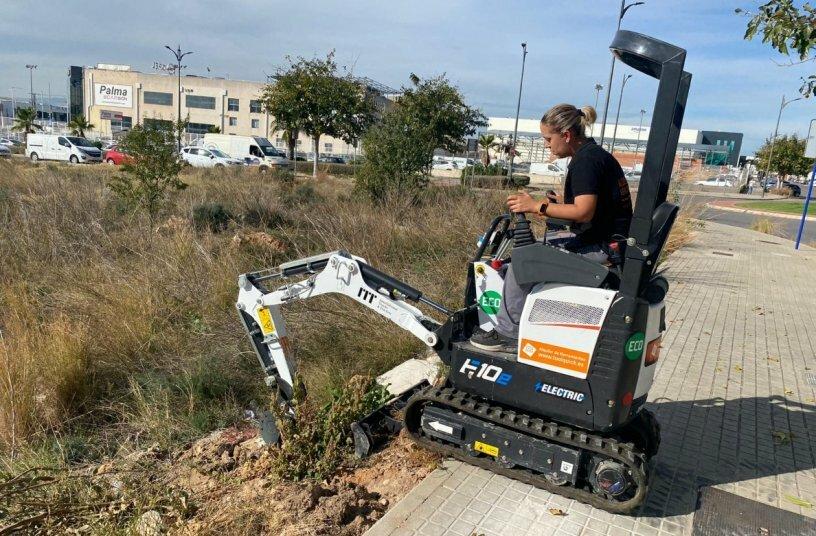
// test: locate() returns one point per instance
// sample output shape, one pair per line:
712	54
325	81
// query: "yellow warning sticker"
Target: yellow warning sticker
487	449
265	317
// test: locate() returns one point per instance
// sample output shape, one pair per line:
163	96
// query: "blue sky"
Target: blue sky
737	86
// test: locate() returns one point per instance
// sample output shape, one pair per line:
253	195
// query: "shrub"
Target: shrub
783	191
152	174
337	169
212	216
317	439
481	169
495	181
302	194
282	174
399	152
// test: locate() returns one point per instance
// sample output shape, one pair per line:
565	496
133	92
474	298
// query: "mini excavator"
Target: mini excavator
566	411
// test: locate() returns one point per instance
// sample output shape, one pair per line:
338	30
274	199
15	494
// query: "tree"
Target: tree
79	125
399	150
442	107
788	29
212	129
486	142
151	172
311	97
788	156
25	121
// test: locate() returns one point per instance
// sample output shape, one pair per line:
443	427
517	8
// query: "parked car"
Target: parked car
446	166
65	148
548	169
8	142
5	152
330	159
202	157
632	176
719	181
114	156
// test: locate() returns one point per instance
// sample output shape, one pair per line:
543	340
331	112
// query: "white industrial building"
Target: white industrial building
714	147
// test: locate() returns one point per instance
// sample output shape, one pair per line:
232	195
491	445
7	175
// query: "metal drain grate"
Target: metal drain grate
769	242
722	513
723	253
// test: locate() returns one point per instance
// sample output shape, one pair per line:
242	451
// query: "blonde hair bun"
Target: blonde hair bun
564	117
590	115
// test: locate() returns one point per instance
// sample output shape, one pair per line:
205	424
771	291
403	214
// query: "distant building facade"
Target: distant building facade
114	98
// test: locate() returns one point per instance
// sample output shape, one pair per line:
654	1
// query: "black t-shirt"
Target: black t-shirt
595	171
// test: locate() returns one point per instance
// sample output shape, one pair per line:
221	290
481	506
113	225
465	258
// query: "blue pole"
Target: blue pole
805	210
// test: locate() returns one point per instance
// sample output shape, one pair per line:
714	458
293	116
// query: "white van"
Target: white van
66	148
247	147
555	169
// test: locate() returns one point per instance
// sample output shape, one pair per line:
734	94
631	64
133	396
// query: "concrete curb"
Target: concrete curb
759	212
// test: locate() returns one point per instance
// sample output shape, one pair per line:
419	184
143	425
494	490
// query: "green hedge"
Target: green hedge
495	181
331	169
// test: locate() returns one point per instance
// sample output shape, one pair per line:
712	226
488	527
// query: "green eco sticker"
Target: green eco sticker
490	302
634	346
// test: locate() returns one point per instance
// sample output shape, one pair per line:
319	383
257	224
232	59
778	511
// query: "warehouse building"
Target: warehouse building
707	146
114	98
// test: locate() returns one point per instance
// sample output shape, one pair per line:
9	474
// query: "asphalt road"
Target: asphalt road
783	227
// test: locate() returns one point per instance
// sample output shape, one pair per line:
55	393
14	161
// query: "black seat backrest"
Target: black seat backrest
662	222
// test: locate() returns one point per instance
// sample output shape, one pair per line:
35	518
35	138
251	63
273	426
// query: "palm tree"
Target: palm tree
25	121
486	141
79	125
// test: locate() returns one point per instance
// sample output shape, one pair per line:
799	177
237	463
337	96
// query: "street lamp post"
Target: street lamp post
637	147
626	77
518	109
773	141
598	88
623	9
179	55
31	68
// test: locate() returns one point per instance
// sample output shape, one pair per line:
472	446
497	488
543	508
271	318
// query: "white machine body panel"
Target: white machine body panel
560	326
489	286
647	371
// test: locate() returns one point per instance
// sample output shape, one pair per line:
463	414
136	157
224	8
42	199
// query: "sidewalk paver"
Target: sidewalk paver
735	394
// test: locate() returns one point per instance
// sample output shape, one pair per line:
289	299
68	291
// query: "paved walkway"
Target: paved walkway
735	394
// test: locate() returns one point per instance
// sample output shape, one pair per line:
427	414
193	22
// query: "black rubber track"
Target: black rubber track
627	453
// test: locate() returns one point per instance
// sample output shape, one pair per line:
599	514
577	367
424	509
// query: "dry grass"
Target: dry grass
129	332
763	225
107	324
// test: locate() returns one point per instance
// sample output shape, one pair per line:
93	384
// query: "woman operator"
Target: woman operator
596	198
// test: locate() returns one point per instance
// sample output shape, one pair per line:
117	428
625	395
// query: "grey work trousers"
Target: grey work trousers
514	295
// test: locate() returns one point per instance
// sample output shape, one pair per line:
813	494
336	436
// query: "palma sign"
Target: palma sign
113	95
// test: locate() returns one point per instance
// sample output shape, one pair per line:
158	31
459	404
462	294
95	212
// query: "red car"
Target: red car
114	156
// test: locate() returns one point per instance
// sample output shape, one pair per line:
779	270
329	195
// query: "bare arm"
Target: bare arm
581	211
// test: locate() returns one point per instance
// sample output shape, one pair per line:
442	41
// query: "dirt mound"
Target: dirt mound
287	509
227	479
